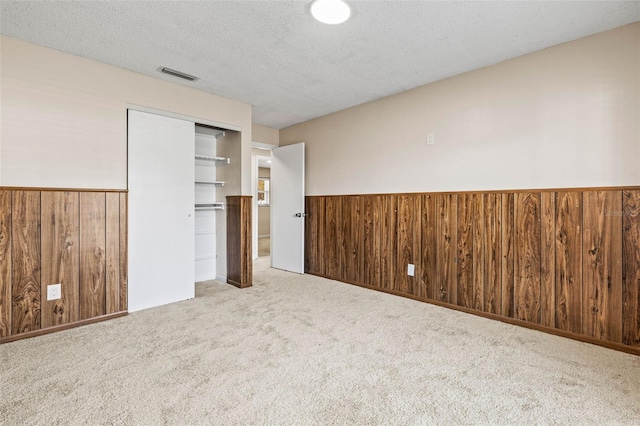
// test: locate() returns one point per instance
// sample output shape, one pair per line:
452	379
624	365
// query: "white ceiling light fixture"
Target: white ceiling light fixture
330	11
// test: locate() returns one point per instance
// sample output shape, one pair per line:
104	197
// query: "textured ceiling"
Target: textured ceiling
275	56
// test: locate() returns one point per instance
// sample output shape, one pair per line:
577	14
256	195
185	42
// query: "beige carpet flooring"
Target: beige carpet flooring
305	350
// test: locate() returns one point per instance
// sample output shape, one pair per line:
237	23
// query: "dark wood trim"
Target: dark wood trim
490	191
29	188
522	323
57	328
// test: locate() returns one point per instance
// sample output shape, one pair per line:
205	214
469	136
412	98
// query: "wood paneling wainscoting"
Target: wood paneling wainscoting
239	260
562	261
76	238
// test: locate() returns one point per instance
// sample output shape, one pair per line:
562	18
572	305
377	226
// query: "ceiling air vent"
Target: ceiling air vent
177	74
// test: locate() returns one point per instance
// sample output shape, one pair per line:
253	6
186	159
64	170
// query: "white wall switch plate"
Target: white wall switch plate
430	139
54	292
411	269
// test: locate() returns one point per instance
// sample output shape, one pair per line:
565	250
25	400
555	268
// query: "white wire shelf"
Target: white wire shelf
222	160
210	206
216	183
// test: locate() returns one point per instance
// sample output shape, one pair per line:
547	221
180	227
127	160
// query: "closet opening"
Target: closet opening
217	174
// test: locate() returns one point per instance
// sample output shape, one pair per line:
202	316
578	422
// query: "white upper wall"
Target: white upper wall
64	118
567	116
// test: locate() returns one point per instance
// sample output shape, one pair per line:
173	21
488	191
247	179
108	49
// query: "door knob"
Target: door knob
301	214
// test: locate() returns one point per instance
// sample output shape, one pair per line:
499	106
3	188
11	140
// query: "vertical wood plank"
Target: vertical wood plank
631	267
344	232
310	235
124	262
92	255
310	250
507	305
314	234
446	247
360	239
548	259
333	236
234	241
478	251
527	257
372	215
493	253
427	277
5	263
246	219
408	250
569	261
388	242
352	238
465	250
321	222
602	268
60	256
112	252
25	239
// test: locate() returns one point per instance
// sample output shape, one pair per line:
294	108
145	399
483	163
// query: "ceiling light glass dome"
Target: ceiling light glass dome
330	11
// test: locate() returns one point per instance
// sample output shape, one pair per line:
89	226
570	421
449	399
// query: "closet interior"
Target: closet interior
209	198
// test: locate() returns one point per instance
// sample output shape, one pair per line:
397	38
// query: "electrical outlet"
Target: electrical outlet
54	291
430	139
411	269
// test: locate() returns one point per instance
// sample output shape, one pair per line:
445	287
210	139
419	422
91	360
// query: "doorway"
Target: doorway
286	201
260	160
263	201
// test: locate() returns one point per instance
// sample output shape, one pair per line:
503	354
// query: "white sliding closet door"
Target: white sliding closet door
161	210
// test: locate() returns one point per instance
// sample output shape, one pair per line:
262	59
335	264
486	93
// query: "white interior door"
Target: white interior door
287	208
161	210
